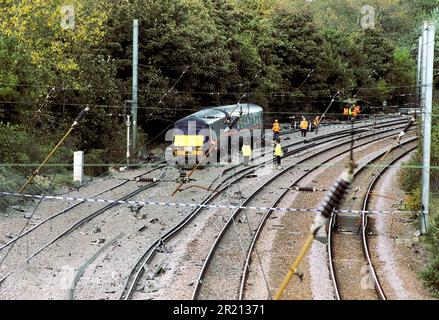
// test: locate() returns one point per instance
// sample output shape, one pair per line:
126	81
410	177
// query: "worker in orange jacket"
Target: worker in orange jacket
316	123
276	130
346	113
353	112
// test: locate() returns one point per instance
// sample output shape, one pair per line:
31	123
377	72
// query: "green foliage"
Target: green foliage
93	159
410	176
10	181
410	179
430	274
227	47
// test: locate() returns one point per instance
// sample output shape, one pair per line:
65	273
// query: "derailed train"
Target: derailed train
215	134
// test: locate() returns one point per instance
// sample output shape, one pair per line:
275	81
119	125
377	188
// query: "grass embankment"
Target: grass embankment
410	178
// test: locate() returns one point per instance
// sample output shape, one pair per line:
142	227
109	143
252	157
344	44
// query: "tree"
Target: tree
54	51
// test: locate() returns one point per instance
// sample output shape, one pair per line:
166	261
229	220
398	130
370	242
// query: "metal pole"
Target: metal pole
135	78
427	128
424	65
419	73
128	138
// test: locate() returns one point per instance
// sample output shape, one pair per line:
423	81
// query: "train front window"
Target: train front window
191	134
181	140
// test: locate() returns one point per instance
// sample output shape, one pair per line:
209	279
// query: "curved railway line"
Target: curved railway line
78	206
147	256
221	250
154	249
250	225
343	265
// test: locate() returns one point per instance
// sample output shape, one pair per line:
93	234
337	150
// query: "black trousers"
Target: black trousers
278	159
303	132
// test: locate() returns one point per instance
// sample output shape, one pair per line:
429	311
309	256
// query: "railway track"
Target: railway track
224	260
78	206
151	251
350	265
310	143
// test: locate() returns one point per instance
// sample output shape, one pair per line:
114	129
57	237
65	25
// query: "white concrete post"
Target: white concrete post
78	166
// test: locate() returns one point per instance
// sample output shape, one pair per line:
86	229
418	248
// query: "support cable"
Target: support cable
74	124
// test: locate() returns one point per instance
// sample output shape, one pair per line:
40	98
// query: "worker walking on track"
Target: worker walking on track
304	126
316	123
246	153
346	113
352	112
276	130
278	153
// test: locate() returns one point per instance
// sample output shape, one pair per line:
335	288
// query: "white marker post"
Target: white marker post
78	166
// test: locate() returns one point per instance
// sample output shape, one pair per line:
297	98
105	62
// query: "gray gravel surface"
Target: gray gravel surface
49	275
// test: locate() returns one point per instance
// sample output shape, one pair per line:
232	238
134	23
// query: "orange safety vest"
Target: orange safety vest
346	111
304	124
316	121
357	109
353	111
276	127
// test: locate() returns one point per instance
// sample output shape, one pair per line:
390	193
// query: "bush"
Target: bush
431	277
92	160
9	182
410	176
430	274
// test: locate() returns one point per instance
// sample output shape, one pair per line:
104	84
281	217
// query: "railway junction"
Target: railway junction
229	232
226	150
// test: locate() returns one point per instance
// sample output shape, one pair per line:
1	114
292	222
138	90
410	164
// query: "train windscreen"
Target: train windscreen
191	134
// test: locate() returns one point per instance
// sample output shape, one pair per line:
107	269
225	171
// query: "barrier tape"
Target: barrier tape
194	205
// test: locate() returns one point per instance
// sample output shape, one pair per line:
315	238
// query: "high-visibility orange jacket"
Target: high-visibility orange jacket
357	109
303	124
276	127
316	121
346	111
352	111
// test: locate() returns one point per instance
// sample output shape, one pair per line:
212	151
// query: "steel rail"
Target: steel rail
148	254
364	224
332	223
70	208
334	217
87	263
92	216
138	269
228	224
